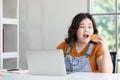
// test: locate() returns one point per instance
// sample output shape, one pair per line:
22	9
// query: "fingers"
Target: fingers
100	38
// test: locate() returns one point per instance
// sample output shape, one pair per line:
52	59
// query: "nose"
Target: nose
86	29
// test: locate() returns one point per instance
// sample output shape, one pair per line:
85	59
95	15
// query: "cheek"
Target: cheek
91	31
79	32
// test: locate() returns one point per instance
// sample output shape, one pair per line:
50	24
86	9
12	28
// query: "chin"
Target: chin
86	41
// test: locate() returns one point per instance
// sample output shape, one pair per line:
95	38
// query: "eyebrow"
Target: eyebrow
84	24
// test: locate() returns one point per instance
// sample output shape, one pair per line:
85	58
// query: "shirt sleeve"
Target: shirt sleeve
63	45
99	51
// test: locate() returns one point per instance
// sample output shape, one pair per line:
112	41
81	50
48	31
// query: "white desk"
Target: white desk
74	76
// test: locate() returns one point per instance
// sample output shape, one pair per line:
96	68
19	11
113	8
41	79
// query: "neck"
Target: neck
81	43
80	46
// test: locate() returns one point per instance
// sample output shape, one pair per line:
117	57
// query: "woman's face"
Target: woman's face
85	30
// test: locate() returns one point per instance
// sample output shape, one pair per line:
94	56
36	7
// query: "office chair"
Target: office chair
113	56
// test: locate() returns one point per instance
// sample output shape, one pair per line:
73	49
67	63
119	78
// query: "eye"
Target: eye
89	26
81	26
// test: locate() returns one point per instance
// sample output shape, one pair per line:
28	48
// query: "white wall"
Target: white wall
44	23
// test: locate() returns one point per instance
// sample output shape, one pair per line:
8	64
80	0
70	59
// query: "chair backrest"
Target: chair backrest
113	56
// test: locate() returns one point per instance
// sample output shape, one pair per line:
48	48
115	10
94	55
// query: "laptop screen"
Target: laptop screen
47	62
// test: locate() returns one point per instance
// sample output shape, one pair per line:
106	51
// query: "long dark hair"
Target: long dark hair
72	36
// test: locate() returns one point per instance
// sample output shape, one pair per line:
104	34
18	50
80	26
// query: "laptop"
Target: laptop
47	62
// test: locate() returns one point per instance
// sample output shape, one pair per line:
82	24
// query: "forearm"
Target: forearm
106	62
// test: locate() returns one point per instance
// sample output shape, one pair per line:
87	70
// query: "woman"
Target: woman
83	54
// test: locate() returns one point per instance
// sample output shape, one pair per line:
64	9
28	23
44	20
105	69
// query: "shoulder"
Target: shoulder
97	50
97	46
62	45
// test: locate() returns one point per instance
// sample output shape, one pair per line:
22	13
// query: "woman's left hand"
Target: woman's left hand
102	41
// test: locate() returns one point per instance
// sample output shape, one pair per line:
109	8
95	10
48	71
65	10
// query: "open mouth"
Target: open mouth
85	36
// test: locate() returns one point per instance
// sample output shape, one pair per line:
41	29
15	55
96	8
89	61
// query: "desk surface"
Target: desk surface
73	76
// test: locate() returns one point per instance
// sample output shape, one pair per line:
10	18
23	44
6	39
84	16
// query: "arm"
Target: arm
104	62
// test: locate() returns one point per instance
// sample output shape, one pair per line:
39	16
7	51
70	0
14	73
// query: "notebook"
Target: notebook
49	62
